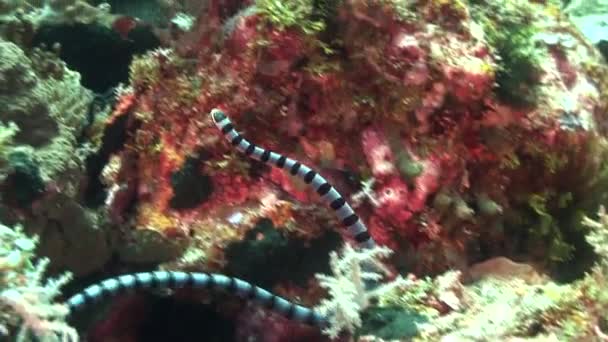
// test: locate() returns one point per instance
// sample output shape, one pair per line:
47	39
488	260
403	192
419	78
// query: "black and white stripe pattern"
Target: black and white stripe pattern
210	281
328	193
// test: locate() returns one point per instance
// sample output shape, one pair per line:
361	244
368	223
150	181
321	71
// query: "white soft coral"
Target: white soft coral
348	294
24	293
598	234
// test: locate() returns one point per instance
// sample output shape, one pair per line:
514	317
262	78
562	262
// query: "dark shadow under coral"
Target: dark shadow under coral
266	257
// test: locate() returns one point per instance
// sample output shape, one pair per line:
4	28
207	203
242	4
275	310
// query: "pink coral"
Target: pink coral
393	202
378	153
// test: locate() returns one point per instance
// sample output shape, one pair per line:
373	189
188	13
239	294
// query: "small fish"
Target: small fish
125	24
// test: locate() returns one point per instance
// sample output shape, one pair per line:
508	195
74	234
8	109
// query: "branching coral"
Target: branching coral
24	292
348	293
598	235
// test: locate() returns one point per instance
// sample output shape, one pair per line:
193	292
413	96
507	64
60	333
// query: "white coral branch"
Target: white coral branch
348	295
598	235
44	319
25	293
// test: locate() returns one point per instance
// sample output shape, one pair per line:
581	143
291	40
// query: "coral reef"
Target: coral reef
463	307
451	306
42	168
454	163
464	131
20	19
469	136
49	107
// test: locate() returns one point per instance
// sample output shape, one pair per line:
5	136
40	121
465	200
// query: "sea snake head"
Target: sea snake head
217	115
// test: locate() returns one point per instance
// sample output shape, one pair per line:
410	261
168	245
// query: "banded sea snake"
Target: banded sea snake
171	280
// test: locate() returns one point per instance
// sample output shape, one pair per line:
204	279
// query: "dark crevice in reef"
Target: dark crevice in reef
23	184
97	105
99	54
114	138
274	258
583	256
191	187
153	317
230	8
603	47
174	319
